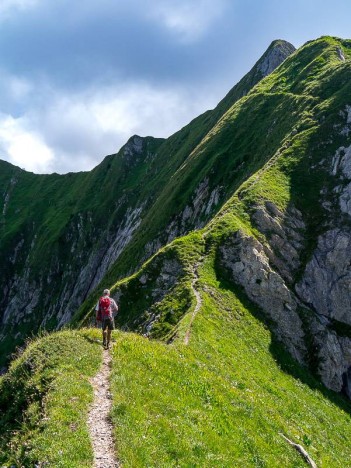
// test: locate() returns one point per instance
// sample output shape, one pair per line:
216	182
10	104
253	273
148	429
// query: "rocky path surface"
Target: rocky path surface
198	303
100	426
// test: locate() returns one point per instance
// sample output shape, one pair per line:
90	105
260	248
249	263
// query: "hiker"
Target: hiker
105	308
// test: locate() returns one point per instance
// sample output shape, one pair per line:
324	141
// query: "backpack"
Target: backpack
104	308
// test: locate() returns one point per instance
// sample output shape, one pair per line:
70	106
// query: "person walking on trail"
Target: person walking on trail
105	309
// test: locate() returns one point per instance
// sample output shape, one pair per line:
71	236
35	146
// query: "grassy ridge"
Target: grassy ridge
225	399
44	400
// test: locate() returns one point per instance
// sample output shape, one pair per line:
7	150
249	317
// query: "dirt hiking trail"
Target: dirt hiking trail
198	301
100	426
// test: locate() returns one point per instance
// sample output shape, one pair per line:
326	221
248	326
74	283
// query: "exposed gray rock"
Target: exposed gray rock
24	302
7	195
6	202
134	146
334	357
284	232
151	248
345	200
193	216
341	167
341	162
348	114
276	54
326	283
340	54
166	279
202	203
244	257
213	200
143	279
122	237
344	129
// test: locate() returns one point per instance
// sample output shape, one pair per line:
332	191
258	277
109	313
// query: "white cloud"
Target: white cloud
73	132
188	19
23	147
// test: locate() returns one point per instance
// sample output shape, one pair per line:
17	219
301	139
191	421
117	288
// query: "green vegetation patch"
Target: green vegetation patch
154	299
44	401
225	399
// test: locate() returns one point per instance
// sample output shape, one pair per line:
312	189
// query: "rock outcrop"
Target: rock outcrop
276	54
285	235
267	272
326	283
245	258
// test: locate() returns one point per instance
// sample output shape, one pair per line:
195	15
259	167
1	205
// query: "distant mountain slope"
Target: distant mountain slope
61	234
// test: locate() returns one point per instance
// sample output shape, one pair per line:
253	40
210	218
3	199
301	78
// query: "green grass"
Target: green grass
225	399
44	400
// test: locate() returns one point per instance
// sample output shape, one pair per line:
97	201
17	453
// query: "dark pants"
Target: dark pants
107	325
108	322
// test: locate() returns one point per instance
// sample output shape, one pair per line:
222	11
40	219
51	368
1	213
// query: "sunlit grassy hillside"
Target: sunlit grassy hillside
225	399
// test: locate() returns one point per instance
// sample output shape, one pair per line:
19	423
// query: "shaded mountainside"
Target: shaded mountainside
130	204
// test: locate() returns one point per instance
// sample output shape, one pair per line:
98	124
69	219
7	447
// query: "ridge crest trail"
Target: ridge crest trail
198	300
100	426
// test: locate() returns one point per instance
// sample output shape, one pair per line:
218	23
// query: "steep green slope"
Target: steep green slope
93	217
226	398
254	130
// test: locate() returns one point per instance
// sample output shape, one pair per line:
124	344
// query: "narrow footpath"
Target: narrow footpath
198	302
100	426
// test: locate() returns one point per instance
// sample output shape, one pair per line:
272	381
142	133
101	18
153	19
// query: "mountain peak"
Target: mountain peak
276	53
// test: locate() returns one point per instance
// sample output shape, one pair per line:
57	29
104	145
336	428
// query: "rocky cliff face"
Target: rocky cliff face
302	314
275	55
249	266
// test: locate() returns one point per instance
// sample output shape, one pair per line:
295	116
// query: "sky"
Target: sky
78	78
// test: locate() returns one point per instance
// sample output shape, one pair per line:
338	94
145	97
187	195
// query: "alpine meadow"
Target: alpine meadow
228	252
